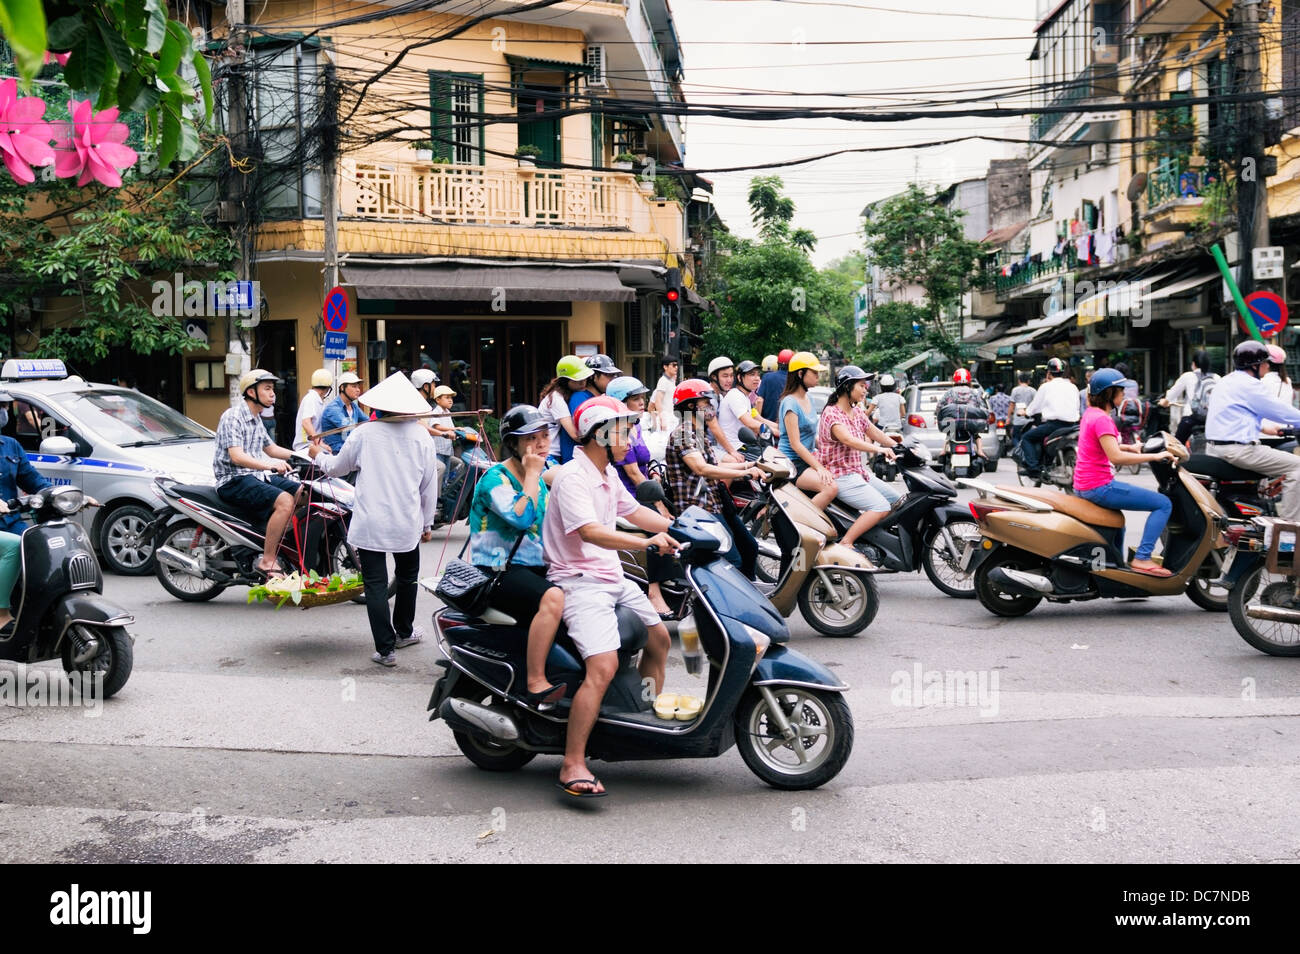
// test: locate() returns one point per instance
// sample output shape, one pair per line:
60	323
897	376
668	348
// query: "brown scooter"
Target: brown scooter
1043	544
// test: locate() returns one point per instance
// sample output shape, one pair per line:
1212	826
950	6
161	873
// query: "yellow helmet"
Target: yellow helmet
770	363
804	360
321	378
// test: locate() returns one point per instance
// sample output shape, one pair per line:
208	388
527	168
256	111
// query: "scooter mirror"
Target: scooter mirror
649	492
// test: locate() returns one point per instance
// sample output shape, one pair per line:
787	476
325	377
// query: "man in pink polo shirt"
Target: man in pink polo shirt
581	548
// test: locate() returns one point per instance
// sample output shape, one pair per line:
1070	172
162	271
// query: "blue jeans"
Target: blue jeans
1031	443
1120	496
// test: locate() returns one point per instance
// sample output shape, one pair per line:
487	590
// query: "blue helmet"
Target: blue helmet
1106	378
620	389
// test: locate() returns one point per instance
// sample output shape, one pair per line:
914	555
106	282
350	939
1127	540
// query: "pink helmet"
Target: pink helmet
1276	355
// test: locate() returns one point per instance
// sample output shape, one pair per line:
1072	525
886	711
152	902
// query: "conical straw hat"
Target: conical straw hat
395	395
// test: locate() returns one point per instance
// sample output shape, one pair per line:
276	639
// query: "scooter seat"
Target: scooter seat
1075	507
1206	465
201	493
632	635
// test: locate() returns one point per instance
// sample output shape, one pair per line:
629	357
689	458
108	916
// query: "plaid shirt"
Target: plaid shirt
684	482
841	459
239	428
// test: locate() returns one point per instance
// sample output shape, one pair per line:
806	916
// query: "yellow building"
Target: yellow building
457	255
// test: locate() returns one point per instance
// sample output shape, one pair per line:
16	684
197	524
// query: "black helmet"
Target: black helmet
1249	354
847	376
745	367
520	421
602	363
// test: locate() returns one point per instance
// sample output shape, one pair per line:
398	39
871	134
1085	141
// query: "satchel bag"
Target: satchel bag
465	587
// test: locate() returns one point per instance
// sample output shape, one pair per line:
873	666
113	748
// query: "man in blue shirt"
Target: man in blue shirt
772	384
341	411
1238	406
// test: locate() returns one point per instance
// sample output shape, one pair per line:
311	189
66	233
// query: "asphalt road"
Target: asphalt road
1107	731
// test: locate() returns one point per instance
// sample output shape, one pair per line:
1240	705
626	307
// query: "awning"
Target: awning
912	362
1006	345
522	63
485	283
994	329
1177	288
1095	308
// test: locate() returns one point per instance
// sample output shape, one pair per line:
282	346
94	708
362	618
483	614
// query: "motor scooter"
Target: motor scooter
785	713
467	464
1042	544
1262	578
58	603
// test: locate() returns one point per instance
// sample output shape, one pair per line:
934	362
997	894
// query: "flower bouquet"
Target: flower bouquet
307	591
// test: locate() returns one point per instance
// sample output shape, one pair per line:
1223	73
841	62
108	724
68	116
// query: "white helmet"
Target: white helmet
347	377
422	376
717	364
887	381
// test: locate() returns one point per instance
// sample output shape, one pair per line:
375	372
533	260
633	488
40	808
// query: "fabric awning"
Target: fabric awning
913	361
553	66
485	283
1177	288
1094	308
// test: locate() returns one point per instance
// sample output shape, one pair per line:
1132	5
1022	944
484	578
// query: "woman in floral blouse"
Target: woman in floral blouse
841	439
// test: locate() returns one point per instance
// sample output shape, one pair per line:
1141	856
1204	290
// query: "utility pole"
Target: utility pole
238	358
1254	168
329	184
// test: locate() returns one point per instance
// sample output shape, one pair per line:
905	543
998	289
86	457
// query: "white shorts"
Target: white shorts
589	612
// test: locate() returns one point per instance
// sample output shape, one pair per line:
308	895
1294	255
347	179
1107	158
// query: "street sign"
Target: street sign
336	345
1269	312
335	310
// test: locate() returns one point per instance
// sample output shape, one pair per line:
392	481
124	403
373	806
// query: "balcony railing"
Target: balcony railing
1172	178
475	195
1094	81
1031	272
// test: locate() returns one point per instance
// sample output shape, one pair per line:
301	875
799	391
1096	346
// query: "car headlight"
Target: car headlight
67	500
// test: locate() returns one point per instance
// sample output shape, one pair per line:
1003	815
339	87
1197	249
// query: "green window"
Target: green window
457	119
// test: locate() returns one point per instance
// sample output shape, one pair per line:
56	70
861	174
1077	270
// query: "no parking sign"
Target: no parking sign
335	310
1269	311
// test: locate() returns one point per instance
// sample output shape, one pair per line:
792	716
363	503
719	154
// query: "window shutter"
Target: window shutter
440	121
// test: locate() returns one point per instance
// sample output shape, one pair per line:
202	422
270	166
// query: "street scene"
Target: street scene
411	451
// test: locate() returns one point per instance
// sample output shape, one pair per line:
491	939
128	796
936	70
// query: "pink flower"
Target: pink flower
60	58
24	136
92	146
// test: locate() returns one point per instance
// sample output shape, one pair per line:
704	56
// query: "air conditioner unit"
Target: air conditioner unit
1099	152
596	60
640	332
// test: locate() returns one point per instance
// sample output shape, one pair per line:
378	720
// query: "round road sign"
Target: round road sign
335	310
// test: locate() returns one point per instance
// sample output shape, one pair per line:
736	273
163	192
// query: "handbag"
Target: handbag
466	587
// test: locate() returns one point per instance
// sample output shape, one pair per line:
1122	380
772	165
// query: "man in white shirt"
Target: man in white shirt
1058	403
313	402
661	401
1238	406
1180	398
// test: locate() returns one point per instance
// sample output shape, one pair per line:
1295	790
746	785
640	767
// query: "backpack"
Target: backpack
1204	387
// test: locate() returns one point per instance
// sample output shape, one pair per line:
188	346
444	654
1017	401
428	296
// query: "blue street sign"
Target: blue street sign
336	344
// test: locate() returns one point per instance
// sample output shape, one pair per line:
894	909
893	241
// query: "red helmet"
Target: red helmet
595	411
784	356
961	376
689	390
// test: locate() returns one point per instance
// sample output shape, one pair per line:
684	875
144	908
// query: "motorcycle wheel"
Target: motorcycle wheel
825	727
767	569
859	603
489	756
1001	602
344	560
115	660
180	584
943	569
1213	599
1274	638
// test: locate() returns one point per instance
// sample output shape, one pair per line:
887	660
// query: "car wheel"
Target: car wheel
124	544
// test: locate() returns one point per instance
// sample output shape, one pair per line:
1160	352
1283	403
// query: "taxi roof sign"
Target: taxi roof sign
19	369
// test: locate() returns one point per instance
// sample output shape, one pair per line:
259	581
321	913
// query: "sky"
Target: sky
781	45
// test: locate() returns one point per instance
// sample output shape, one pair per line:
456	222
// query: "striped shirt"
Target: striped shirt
240	428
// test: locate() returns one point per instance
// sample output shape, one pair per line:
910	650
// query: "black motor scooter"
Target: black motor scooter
58	606
785	713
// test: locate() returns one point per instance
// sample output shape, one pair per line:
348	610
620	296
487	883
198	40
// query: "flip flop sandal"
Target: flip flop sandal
1158	572
568	789
545	700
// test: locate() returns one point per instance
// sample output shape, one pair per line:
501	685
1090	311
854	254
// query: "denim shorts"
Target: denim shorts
256	497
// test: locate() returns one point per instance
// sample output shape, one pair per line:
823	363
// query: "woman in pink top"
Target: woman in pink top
1094	475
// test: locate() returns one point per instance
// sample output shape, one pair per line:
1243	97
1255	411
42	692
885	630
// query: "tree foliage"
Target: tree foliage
918	241
104	246
895	332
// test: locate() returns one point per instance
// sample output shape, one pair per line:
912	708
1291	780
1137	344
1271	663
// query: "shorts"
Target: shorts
256	497
519	591
589	612
856	492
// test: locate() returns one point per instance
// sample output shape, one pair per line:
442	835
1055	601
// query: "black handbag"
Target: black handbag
466	587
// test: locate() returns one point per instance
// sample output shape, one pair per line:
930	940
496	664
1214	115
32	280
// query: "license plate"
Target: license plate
1002	432
961	460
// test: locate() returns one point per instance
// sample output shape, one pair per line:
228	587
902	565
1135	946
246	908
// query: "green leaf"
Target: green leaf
65	33
297	597
23	24
205	83
156	31
133	23
189	147
171	129
173	47
117	46
136	94
108	91
95	62
313	576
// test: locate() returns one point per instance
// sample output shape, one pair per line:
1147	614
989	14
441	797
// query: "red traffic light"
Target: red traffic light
672	294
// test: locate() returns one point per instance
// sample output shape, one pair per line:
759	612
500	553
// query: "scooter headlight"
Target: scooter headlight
717	531
67	500
761	641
